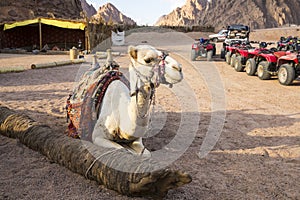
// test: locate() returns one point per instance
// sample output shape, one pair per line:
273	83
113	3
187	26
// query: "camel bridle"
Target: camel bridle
159	70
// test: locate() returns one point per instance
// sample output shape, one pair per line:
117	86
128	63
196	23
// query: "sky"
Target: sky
144	12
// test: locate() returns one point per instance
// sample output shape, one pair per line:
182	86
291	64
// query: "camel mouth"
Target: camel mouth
171	80
173	77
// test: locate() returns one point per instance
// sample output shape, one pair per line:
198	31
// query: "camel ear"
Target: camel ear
132	51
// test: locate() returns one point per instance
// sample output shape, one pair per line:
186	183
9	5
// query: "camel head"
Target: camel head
155	65
170	71
143	59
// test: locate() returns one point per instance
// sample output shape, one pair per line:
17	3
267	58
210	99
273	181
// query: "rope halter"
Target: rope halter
158	70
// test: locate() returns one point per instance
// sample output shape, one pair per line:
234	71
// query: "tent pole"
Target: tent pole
86	34
40	33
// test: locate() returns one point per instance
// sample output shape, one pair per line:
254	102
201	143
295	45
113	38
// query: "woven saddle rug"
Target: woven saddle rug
84	104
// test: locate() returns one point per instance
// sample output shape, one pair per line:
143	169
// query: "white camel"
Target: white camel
124	115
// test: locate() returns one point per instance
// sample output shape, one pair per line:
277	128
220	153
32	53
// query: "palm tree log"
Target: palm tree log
79	157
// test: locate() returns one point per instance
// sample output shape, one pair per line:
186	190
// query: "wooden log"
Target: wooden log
78	61
64	62
43	65
57	63
12	69
83	157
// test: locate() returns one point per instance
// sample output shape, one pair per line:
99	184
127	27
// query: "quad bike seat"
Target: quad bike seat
252	50
278	54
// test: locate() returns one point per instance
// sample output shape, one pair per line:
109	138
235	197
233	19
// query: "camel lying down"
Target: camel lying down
110	111
113	113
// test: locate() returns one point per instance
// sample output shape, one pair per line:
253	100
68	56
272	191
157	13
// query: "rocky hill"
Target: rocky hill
109	13
11	10
220	13
88	8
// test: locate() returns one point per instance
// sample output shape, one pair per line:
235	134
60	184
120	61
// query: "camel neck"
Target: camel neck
140	95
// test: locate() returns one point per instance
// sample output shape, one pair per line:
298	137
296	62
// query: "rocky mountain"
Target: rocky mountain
12	10
220	13
109	13
88	8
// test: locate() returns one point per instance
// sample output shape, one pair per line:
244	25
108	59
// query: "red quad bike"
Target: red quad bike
289	66
246	52
231	52
285	64
203	48
263	61
242	53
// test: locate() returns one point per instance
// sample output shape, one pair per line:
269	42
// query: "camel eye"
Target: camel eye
149	60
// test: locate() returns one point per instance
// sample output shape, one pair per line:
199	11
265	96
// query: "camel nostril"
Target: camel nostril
178	68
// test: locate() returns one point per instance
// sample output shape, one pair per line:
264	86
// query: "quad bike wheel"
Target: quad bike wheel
232	60
286	74
228	58
222	53
250	67
262	70
209	55
238	64
193	55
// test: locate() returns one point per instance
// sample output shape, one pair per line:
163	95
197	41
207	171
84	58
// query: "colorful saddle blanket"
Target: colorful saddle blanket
84	105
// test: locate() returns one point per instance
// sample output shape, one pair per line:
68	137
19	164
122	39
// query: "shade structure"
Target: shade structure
53	22
41	31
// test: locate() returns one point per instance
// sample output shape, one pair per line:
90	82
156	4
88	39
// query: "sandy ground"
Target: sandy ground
255	126
25	60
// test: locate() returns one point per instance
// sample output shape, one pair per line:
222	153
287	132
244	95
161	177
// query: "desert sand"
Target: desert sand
255	126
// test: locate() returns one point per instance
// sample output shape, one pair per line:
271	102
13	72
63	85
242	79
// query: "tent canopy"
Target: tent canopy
52	22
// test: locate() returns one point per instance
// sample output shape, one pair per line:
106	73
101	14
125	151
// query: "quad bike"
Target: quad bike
287	43
289	66
270	62
203	48
267	63
246	52
242	53
264	63
230	51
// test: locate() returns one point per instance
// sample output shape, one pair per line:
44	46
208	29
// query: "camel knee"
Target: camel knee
106	143
139	148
